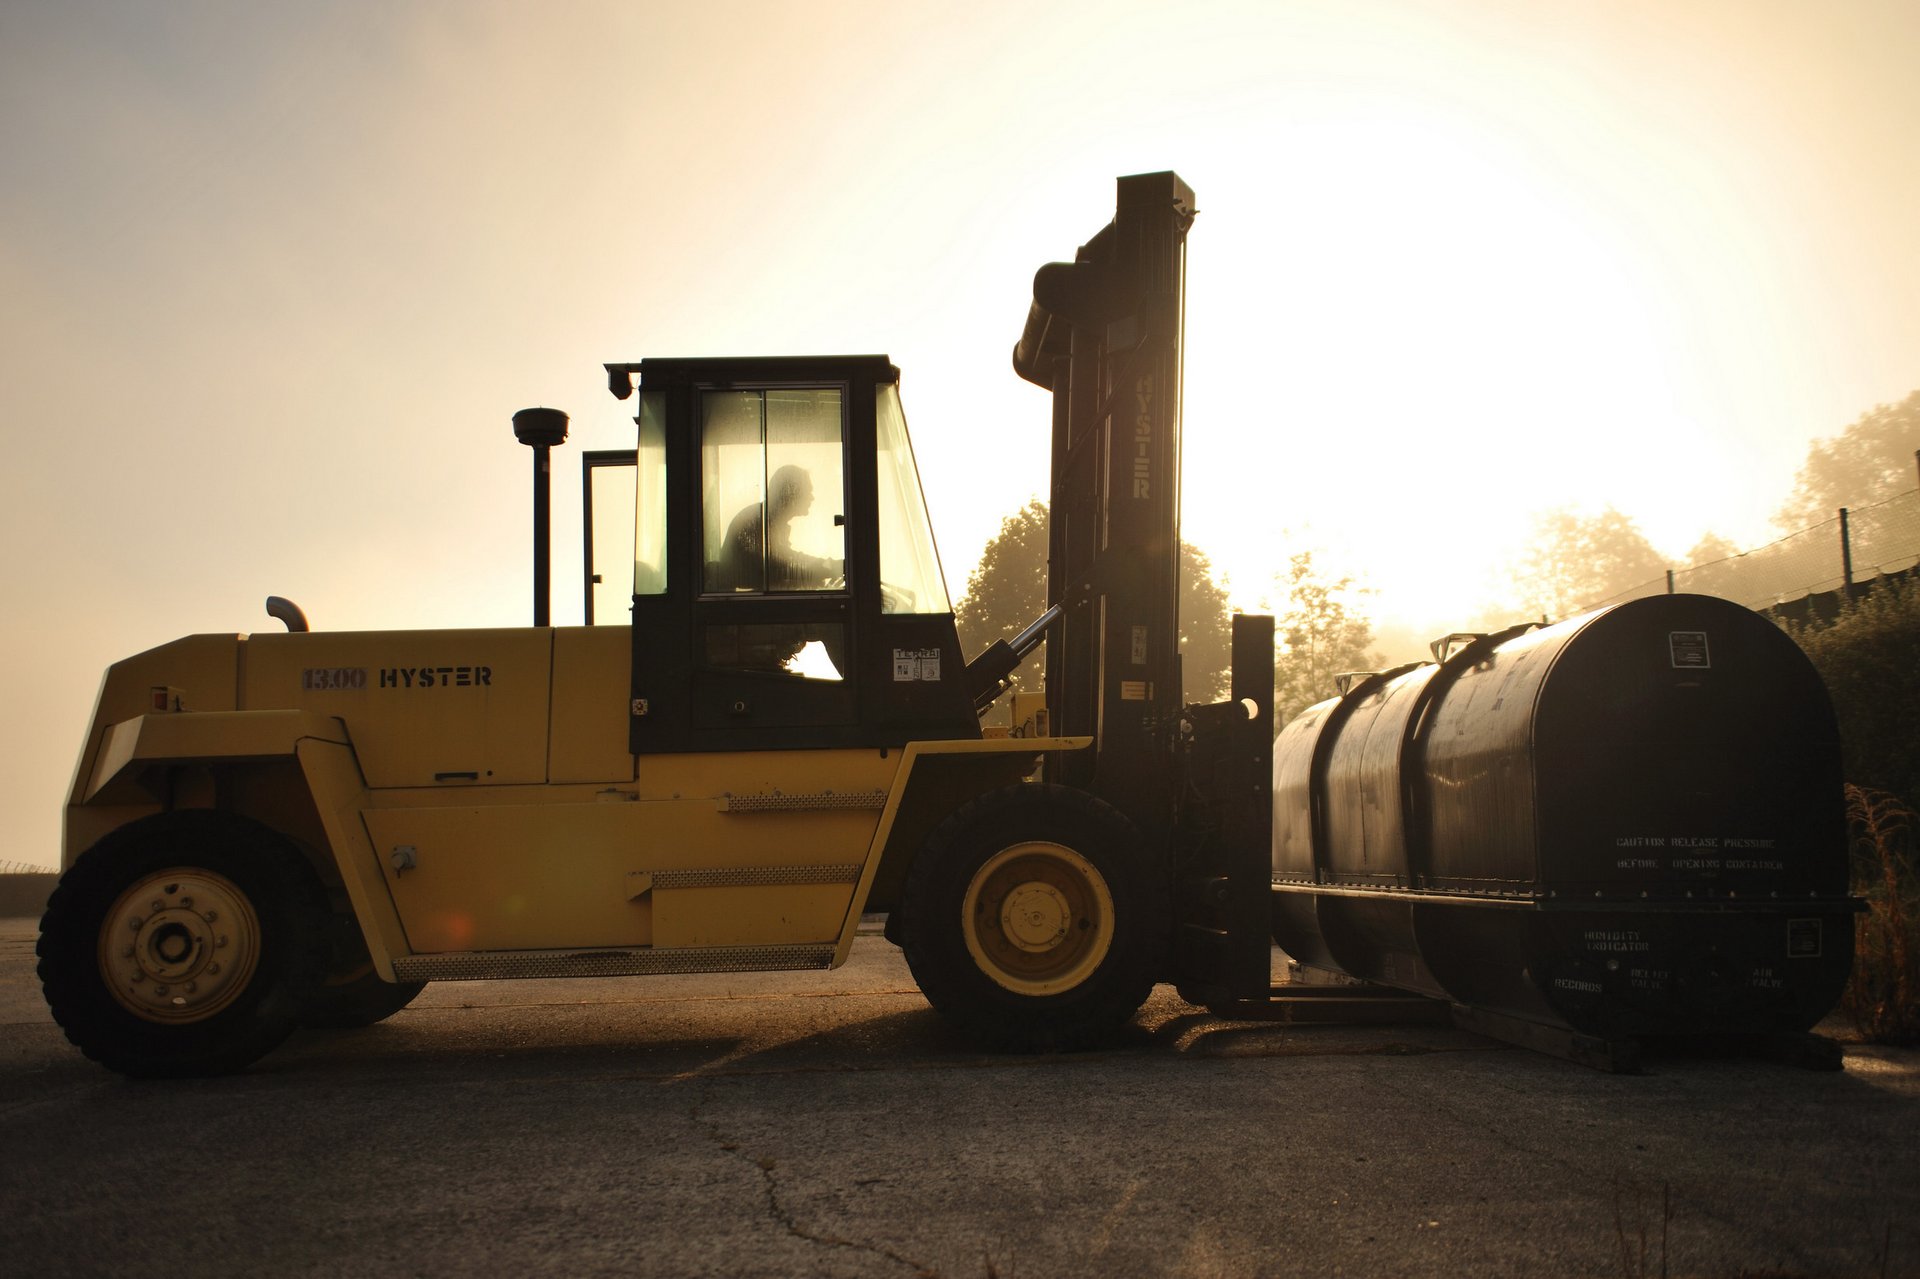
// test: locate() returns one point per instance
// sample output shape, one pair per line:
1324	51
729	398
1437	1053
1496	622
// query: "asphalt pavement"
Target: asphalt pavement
829	1124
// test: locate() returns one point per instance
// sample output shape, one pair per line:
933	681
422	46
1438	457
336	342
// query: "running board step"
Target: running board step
509	965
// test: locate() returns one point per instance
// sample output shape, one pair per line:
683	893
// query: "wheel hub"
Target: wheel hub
1038	918
179	945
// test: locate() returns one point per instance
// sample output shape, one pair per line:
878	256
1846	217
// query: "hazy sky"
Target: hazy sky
273	278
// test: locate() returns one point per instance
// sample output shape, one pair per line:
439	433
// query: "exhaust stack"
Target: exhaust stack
540	430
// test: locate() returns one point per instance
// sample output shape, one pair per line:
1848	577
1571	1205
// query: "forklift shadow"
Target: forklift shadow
422	1055
787	1036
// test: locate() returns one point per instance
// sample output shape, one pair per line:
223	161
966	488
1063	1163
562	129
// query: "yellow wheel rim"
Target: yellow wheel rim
179	945
1037	918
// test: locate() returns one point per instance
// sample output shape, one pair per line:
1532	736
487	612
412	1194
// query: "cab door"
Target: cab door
786	591
772	612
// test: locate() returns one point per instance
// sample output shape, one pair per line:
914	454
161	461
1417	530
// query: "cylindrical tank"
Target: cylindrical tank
1627	823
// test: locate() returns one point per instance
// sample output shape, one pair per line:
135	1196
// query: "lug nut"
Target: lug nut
187	902
220	941
157	905
211	916
212	969
134	924
192	986
160	990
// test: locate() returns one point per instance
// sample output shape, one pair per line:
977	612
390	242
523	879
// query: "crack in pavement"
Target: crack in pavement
766	1165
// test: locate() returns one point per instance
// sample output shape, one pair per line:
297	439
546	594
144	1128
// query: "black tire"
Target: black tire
1034	920
352	994
183	944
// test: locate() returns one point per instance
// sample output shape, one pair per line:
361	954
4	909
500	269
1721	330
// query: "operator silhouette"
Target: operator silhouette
782	568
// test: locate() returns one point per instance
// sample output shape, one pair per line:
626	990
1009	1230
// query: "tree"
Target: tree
1870	460
1206	629
1319	636
1008	589
1869	658
1575	561
1711	547
1717	567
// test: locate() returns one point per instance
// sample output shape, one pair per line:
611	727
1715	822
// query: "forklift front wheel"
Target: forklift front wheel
1032	922
1038	918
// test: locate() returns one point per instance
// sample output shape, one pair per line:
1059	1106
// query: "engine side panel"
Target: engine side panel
423	708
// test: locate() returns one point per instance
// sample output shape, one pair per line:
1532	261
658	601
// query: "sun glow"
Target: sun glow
1445	339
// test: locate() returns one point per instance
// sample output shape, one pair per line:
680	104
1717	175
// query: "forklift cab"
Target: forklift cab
786	590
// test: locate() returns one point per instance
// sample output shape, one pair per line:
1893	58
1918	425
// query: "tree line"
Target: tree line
1575	560
1571	561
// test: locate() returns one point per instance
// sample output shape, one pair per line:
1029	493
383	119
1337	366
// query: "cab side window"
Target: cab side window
772	466
772	491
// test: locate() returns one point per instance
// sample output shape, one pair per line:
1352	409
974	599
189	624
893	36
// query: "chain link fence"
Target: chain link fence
1855	546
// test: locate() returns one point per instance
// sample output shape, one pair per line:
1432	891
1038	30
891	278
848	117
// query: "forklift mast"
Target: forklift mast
1105	335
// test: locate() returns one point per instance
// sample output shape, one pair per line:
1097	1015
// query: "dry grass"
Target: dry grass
1883	994
1631	1209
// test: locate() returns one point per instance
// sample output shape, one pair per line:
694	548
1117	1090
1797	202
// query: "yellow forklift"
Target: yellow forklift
305	827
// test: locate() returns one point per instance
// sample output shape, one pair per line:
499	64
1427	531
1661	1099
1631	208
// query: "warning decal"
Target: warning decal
913	664
1689	649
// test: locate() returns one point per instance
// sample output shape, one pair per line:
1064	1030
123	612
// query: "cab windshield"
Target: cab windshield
910	580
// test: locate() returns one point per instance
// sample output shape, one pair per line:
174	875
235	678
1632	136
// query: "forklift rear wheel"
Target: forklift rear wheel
1031	923
351	994
182	944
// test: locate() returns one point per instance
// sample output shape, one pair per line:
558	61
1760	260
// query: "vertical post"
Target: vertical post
1669	581
586	539
540	430
542	536
1846	554
1250	813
